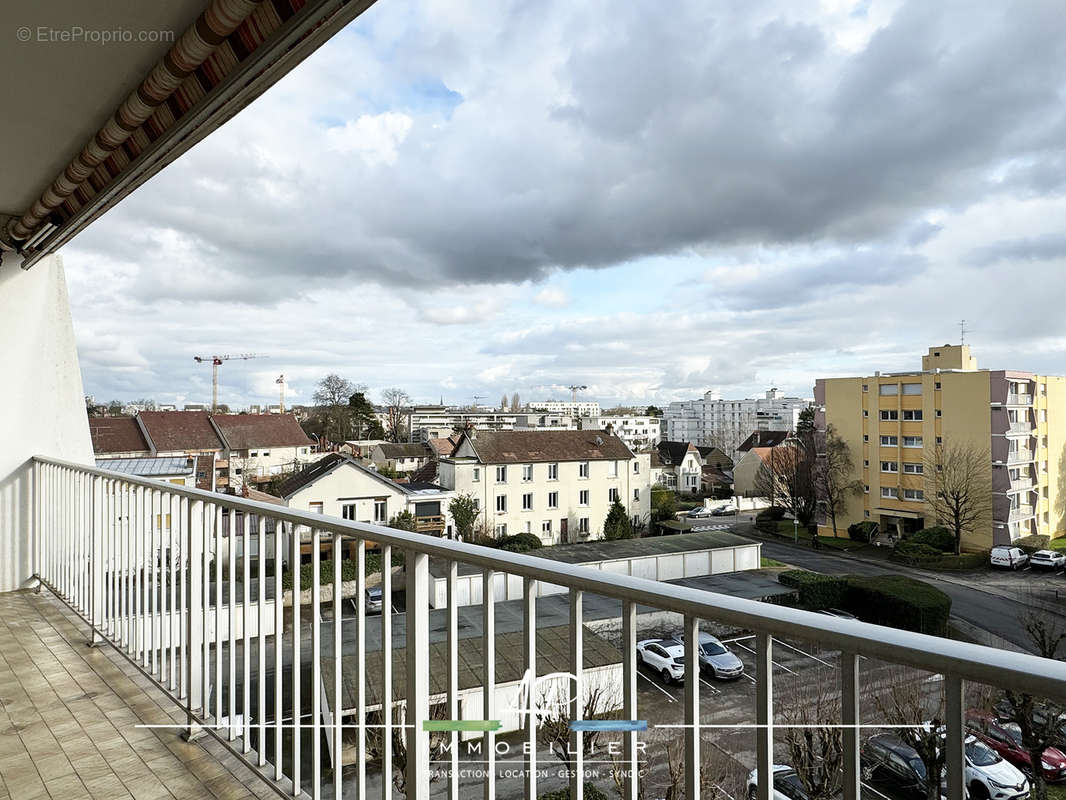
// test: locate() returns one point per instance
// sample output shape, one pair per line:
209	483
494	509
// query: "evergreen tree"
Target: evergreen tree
617	525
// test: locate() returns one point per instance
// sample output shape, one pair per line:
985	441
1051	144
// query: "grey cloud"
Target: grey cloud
1035	248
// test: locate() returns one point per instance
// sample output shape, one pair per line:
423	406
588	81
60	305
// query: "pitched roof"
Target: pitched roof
518	447
116	435
180	430
311	473
427	473
763	439
404	450
672	453
713	456
243	431
443	447
148	467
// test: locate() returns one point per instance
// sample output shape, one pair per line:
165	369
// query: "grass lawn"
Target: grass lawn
1058	544
1056	791
770	563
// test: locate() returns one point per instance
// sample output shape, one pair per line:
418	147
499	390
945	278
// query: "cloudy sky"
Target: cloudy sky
460	198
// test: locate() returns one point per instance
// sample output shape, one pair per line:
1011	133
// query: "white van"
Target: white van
1010	557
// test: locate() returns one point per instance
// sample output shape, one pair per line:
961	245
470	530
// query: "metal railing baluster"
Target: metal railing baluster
296	707
488	666
216	513
629	697
386	672
453	677
954	747
231	602
529	665
764	715
338	670
850	717
360	670
192	651
577	691
416	585
692	708
316	666
279	644
246	625
261	607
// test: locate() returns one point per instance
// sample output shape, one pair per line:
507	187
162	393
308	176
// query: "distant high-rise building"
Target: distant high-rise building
713	422
569	408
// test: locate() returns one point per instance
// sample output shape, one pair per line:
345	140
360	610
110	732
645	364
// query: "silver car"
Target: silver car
716	658
1048	559
373	601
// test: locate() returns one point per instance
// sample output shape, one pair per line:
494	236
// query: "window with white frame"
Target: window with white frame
912	415
890	466
636	467
913	494
529	527
583	497
888	389
887	415
501	502
348	511
612	469
546	527
553	472
912	388
583	525
912	441
583	469
612	494
553	499
381	510
501	529
527	501
475	474
527	472
913	469
889	441
636	494
501	474
477	503
890	491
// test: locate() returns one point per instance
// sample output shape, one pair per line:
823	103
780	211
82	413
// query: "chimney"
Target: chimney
610	429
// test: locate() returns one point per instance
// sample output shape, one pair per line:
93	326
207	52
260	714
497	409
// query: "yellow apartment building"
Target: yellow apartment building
893	421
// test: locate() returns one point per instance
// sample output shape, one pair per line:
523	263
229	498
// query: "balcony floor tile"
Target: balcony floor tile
68	717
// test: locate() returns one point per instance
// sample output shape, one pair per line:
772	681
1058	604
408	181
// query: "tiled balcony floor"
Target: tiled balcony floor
68	717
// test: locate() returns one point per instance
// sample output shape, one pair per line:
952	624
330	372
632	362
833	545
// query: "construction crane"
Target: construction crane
216	362
281	386
574	389
476	398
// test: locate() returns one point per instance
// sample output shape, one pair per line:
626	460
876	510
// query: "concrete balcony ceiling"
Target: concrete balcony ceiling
102	95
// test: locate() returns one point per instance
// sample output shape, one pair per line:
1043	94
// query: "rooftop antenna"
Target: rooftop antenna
962	331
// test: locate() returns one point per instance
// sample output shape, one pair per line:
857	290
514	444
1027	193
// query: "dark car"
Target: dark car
1006	739
893	767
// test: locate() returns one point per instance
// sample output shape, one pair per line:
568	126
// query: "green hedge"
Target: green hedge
1032	543
937	537
894	600
861	531
348	573
519	543
899	601
916	554
767	519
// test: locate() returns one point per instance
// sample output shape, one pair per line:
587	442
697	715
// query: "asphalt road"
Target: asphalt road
990	612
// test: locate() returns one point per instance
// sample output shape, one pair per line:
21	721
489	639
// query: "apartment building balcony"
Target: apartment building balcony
1023	428
430	524
200	643
1018	513
1020	485
1019	399
1019	456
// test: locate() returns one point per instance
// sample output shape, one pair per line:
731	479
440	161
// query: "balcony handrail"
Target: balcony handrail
931	653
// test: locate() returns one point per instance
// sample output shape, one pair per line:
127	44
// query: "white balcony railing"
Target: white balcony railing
143	563
1019	456
1016	399
1019	513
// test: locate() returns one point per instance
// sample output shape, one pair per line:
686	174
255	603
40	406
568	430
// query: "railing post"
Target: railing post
191	649
417	586
954	751
692	708
38	563
850	715
96	562
629	697
577	705
529	663
764	715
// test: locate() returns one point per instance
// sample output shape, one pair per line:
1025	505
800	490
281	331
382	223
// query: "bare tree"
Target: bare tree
333	417
515	405
333	390
909	702
438	742
959	477
834	474
396	400
815	752
553	722
721	776
788	477
503	402
1037	718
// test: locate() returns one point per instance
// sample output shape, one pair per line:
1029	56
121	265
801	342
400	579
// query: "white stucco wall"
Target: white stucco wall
42	409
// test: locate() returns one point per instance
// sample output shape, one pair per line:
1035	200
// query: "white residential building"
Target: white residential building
541	420
558	485
638	432
580	408
714	422
339	486
440	422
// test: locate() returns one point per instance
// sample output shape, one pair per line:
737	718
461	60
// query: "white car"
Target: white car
700	513
665	656
997	778
1009	557
1048	559
787	784
373	601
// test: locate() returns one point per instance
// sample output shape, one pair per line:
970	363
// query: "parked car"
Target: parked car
991	777
894	767
1048	559
700	512
373	600
787	784
665	656
1009	557
723	511
1006	739
716	658
1004	710
838	613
